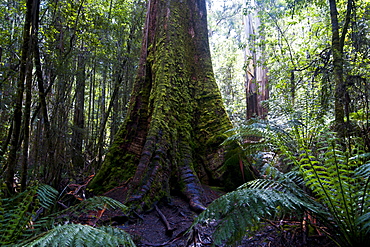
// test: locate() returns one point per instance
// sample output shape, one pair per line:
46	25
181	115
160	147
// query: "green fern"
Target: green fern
47	196
342	185
363	174
20	220
259	135
339	184
15	216
74	212
97	203
261	132
245	207
80	235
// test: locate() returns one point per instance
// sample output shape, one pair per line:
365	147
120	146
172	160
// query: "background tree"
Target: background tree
24	81
256	72
225	22
233	28
67	92
297	39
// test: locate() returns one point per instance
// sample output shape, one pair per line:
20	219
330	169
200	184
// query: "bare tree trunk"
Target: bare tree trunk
26	63
79	118
256	75
338	63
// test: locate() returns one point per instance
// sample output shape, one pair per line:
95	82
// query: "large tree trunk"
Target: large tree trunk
176	121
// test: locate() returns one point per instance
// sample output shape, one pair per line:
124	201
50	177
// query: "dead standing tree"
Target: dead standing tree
176	121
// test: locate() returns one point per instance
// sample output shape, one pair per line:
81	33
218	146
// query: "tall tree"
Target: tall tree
176	122
256	74
338	62
78	117
25	72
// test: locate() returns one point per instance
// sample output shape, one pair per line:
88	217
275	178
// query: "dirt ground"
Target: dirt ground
167	224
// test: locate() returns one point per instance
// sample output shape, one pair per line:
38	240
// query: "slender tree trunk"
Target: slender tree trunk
171	137
26	129
43	143
42	93
338	63
79	118
103	118
27	107
26	60
103	124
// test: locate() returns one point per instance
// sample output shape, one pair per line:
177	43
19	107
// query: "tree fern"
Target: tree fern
95	203
80	235
261	132
255	137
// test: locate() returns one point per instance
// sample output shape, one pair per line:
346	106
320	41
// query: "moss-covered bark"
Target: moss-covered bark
176	121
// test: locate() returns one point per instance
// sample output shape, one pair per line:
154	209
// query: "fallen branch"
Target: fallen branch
169	229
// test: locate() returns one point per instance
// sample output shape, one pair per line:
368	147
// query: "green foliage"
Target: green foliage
245	207
258	136
225	37
74	212
22	224
81	235
47	196
15	216
341	183
96	203
330	184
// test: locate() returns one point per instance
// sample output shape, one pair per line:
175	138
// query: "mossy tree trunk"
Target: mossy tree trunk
176	120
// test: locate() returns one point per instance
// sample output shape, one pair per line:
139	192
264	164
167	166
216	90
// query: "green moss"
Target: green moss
115	170
216	140
179	107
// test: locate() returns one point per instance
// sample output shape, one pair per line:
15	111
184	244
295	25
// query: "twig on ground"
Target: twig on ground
169	229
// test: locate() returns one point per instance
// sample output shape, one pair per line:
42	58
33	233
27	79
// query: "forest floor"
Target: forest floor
151	229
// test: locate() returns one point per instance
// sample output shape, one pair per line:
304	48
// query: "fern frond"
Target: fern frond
97	203
47	196
363	171
260	129
84	207
243	209
341	184
364	222
16	216
81	235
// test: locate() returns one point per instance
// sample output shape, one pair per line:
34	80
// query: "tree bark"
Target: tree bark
256	86
25	66
338	63
79	116
170	139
